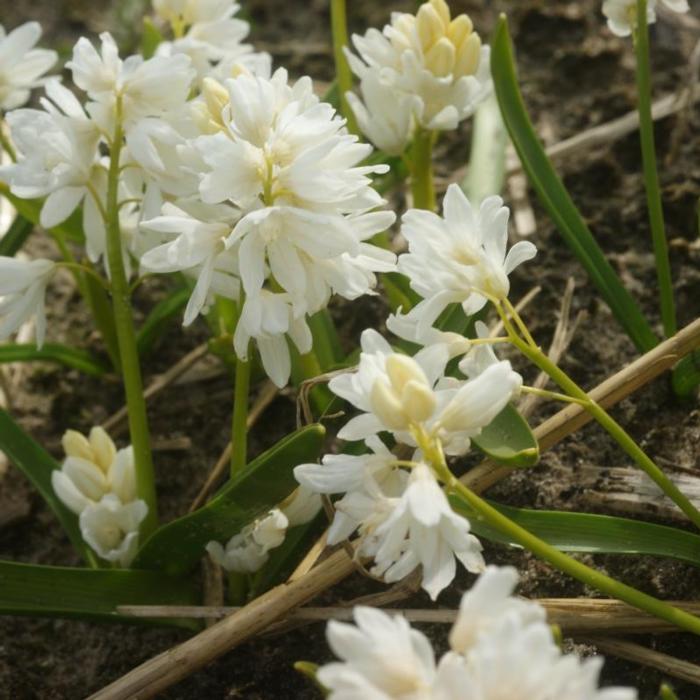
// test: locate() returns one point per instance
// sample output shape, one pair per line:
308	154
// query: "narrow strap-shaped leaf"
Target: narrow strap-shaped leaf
16	235
53	352
37	464
56	591
556	199
159	317
508	440
177	547
588	532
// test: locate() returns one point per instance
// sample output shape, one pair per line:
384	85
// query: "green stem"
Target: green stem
422	186
5	143
651	175
239	428
126	336
343	74
537	357
568	564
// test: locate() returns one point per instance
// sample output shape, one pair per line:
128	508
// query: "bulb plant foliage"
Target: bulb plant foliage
204	163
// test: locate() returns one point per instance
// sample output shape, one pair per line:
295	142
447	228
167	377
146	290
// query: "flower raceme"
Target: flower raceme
622	14
426	69
98	483
21	65
501	647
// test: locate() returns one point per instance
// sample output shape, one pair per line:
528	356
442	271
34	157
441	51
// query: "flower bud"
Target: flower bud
387	406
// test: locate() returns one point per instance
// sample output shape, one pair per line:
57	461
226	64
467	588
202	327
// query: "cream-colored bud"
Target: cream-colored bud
440	60
387	406
215	97
419	401
103	448
429	26
401	31
468	56
443	10
460	28
402	369
75	444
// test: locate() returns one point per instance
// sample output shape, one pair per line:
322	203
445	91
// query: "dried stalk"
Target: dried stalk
265	398
669	665
575	616
116	423
167	668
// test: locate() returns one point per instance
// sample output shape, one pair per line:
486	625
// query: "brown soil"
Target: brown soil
574	75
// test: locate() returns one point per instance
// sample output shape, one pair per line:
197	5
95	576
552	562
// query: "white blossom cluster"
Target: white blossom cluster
426	70
622	14
98	483
400	511
500	647
242	180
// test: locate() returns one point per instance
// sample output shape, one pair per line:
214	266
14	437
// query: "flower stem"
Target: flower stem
540	359
571	566
651	175
422	186
343	74
126	335
239	428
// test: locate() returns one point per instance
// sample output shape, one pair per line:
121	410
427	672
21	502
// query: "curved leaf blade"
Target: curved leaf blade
556	199
37	464
55	591
508	440
591	533
176	547
159	317
53	352
16	235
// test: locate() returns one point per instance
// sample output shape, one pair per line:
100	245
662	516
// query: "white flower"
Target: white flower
381	658
58	159
429	68
22	289
208	32
423	529
622	14
461	257
301	506
93	468
143	88
247	551
21	65
268	317
510	655
196	248
110	527
400	394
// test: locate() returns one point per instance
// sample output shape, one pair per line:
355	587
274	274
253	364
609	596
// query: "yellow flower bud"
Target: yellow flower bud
429	26
468	56
443	10
440	60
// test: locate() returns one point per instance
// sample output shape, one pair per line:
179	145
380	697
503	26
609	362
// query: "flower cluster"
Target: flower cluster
426	70
401	512
248	551
98	483
500	647
622	14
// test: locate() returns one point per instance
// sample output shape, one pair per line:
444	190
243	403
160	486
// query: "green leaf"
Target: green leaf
686	375
96	297
55	591
508	440
399	292
556	199
37	465
177	547
150	39
53	352
326	345
16	235
158	319
586	532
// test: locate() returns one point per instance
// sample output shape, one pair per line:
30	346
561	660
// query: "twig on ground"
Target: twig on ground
169	667
266	396
116	424
647	657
